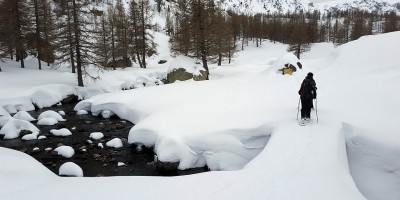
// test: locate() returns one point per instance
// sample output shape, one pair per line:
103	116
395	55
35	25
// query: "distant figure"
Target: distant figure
307	92
299	65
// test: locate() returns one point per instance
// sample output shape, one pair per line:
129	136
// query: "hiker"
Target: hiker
307	92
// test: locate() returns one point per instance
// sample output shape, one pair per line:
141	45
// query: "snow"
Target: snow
13	127
243	119
65	151
115	143
42	137
70	169
96	135
23	115
61	132
51	114
82	112
47	121
61	112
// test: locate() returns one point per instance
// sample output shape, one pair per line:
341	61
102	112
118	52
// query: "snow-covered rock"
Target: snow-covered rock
70	169
120	164
96	135
82	112
51	114
100	145
23	115
42	137
47	121
61	112
183	68
115	143
61	132
65	151
106	114
13	127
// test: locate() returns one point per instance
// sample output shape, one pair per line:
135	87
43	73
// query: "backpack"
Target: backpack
307	88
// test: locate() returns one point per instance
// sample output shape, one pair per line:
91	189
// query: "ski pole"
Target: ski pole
316	107
298	107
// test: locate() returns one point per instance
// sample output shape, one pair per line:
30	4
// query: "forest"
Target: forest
111	34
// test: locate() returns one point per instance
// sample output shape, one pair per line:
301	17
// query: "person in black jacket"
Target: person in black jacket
307	92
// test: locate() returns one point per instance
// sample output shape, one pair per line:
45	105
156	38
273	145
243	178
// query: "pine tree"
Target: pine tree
143	45
76	44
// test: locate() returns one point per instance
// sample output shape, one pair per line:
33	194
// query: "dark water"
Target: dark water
95	161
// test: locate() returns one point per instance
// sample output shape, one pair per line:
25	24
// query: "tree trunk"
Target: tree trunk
144	36
19	50
77	45
37	33
219	59
71	45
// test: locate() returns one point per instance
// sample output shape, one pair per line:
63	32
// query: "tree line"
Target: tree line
76	33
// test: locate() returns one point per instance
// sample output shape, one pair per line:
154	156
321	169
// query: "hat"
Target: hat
310	74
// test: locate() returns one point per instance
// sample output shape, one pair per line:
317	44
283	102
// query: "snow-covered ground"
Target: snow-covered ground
242	121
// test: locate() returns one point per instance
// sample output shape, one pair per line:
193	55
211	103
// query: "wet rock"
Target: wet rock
24	150
167	166
120	125
162	62
61	125
36	150
88	122
82	149
60	144
54	153
24	132
70	99
102	126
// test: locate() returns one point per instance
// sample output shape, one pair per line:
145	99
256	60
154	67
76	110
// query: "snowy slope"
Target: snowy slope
226	122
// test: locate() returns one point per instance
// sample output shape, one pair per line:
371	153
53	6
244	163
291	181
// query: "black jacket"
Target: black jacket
308	88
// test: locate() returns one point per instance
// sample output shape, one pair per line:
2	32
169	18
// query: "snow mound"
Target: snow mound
96	135
70	169
47	121
115	143
65	151
23	115
13	127
61	132
184	62
51	114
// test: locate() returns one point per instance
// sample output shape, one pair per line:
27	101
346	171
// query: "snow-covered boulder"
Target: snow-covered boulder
82	112
106	114
287	61
13	127
61	132
47	121
183	68
51	114
23	115
65	151
115	143
96	136
70	169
